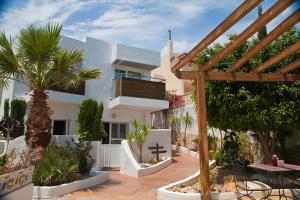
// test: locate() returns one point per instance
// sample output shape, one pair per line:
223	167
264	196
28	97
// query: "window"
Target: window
134	75
127	74
59	127
119	132
118	73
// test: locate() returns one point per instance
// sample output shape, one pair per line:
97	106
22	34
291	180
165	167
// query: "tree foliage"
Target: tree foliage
6	109
17	112
90	125
243	106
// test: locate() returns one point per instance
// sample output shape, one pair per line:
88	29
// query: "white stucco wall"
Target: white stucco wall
135	54
160	136
129	160
65	111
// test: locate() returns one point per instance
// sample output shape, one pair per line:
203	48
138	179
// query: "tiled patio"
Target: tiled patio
121	187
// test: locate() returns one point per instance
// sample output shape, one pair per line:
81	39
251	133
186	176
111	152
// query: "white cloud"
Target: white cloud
37	12
134	22
142	22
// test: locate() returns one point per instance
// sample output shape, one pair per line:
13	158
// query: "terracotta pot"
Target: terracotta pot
178	143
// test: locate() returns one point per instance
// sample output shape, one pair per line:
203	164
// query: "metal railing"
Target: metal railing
139	77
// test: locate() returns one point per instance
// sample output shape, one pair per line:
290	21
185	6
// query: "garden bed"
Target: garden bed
130	166
188	189
95	179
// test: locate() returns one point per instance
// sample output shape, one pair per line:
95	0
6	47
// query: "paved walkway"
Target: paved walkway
121	187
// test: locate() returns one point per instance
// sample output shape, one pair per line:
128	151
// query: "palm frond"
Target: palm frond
66	70
9	66
67	61
38	45
72	80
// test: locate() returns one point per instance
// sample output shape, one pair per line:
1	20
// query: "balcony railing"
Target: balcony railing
139	86
79	89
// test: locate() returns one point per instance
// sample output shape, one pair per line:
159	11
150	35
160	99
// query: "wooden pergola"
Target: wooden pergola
206	73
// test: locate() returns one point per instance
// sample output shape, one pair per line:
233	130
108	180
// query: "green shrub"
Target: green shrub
6	109
90	126
62	164
81	151
218	157
58	166
245	153
3	161
17	112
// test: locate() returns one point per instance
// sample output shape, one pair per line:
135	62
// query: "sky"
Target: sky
140	23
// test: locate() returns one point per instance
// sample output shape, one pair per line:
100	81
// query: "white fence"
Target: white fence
110	155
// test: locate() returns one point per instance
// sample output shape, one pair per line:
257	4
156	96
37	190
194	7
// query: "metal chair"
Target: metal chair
245	185
295	187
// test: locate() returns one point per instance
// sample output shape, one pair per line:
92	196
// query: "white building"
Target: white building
126	88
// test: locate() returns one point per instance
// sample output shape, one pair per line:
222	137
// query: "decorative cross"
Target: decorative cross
157	151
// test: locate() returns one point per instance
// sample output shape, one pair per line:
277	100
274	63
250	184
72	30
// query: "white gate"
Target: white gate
111	155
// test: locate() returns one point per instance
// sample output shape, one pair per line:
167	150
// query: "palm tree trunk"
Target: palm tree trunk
141	153
184	137
38	132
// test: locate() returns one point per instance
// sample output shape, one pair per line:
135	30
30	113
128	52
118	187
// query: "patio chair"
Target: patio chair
295	187
246	185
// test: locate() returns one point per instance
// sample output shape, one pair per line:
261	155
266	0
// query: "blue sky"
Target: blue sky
141	23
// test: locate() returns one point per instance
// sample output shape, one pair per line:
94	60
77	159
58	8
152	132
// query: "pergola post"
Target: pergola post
202	134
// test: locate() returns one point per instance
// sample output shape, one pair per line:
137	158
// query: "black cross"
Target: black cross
157	151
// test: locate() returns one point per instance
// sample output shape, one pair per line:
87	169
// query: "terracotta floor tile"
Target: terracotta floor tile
122	187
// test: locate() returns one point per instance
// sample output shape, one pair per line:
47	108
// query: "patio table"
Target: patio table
278	172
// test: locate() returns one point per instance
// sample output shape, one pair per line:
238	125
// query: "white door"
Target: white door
111	155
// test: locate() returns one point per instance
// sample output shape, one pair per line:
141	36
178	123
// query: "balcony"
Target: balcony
139	93
70	95
135	57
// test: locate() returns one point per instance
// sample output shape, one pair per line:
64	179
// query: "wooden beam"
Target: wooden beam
291	67
251	77
264	19
234	17
187	75
202	134
285	53
279	30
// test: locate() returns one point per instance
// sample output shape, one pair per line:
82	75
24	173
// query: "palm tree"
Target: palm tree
139	135
188	121
174	121
39	61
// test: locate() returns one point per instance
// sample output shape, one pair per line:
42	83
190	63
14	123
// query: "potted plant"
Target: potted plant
15	170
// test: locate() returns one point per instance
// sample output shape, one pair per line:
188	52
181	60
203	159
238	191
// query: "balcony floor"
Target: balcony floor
143	104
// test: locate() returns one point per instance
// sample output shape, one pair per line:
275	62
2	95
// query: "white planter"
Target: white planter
11	182
130	166
154	168
185	151
44	192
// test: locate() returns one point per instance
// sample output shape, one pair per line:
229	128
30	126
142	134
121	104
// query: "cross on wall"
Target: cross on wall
157	151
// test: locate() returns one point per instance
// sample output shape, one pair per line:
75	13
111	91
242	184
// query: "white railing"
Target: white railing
111	155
